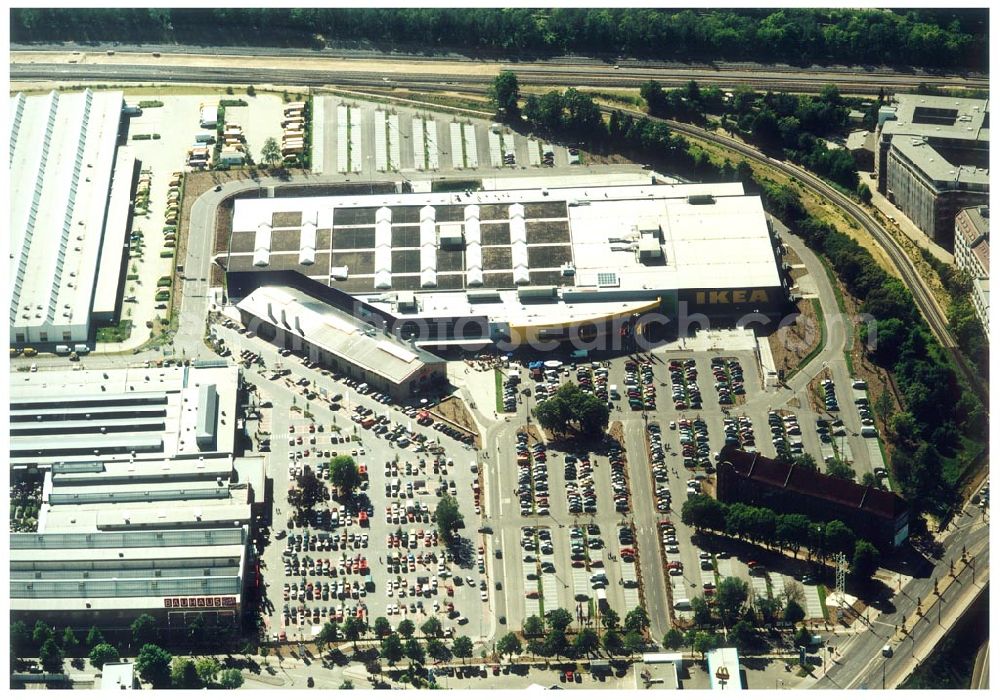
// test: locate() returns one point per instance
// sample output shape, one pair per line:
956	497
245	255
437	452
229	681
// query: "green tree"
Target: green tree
391	649
432	627
702	612
704	642
230	678
414	651
673	639
838	537
865	561
270	153
703	513
534	626
94	637
612	641
462	647
207	668
42	633
559	619
802	637
196	629
792	530
327	635
344	474
504	94
864	193
438	650
509	645
103	653
634	642
153	665
794	612
742	634
805	461
69	640
346	685
406	628
381	627
731	597
586	642
20	638
636	620
51	656
840	469
768	609
571	407
609	618
555	643
308	492
448	518
183	674
353	628
868	479
144	630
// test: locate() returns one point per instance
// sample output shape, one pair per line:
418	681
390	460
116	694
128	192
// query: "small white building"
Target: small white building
118	676
209	116
724	669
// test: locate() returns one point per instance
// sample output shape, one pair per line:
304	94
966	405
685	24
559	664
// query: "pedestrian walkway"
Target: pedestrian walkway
814	609
909	228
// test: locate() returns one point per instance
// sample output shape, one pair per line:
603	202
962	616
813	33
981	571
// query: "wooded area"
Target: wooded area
952	39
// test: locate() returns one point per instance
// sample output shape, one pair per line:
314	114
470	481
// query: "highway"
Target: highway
196	64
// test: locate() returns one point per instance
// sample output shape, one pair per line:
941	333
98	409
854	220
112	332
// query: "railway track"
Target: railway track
433	82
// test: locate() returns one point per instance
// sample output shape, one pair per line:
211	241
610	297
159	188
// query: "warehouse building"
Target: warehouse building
108	579
972	254
932	159
71	194
292	319
881	517
517	265
120	415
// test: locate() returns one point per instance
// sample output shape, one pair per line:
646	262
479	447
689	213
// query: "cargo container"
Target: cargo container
81	348
132	110
62	349
205	137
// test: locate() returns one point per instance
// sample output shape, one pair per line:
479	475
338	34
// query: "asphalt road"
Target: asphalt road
554	71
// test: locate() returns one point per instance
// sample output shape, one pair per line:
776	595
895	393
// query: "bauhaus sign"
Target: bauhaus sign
200	602
733	296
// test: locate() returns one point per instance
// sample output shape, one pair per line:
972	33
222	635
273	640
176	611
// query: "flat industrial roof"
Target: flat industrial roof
933	164
115	234
724	669
578	238
62	149
337	332
970	123
171	389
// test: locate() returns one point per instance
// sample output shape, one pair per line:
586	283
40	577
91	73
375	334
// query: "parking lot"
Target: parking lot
389	562
365	138
677	409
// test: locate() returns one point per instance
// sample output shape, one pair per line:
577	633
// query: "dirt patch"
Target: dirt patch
791	343
286	218
454	410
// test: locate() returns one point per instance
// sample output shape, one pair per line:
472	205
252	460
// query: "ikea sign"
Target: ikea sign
733	296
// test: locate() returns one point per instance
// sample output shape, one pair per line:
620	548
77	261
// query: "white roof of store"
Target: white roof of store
724	669
62	148
344	336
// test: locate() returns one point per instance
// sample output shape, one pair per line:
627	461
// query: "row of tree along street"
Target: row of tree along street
928	38
153	664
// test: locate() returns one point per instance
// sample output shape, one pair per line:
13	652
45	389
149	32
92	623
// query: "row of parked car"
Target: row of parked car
728	378
684	384
619	482
830	396
307	615
739	431
785	434
581	493
694	443
532	477
640	398
593	380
